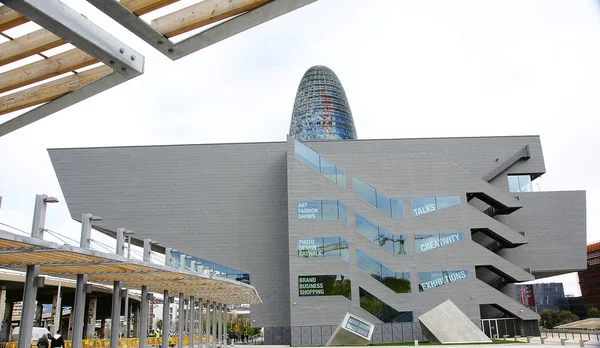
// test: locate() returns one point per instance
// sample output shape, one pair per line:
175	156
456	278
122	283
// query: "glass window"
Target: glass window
324	285
525	183
330	210
381	310
220	269
344	250
306	155
341	177
386	240
519	183
426	242
364	191
358	327
400	244
328	169
422	206
309	210
368	265
513	183
331	247
430	280
367	228
383	204
343	212
397	205
310	247
445	202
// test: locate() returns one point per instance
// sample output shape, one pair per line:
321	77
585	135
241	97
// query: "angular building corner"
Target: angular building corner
321	109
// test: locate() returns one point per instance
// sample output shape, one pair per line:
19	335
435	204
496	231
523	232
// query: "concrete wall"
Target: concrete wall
226	203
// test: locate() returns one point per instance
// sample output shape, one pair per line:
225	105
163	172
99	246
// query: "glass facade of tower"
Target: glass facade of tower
321	110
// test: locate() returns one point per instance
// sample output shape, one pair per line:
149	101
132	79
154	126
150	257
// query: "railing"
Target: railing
123	342
590	335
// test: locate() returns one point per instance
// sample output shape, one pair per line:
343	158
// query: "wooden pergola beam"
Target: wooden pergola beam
140	7
10	18
201	14
43	69
28	45
51	90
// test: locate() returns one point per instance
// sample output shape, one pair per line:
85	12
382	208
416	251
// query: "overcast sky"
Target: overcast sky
410	69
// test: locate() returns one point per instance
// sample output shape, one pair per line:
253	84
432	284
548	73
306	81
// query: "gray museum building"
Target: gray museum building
384	229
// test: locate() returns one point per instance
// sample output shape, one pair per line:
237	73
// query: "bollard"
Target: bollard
562	341
582	343
529	339
542	340
416	343
517	338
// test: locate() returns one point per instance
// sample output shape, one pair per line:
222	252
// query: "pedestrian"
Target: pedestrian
58	341
43	342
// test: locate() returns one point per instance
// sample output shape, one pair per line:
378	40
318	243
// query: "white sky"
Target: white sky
410	69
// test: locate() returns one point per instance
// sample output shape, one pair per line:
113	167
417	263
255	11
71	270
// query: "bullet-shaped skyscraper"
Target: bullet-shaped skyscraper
321	109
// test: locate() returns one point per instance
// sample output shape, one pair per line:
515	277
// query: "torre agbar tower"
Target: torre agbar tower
321	110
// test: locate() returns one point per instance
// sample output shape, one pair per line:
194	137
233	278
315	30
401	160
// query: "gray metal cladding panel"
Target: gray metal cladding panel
316	334
377	334
278	335
287	335
417	332
397	332
326	331
268	335
296	333
388	335
306	336
407	332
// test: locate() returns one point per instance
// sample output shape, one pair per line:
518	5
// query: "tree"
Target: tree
566	317
593	313
159	324
549	318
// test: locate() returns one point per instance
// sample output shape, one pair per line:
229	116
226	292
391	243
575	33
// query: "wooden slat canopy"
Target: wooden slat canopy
16	252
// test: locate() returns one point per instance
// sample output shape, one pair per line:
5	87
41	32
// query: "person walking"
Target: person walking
43	342
58	341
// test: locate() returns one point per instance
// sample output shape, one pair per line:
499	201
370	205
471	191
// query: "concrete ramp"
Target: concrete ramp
447	324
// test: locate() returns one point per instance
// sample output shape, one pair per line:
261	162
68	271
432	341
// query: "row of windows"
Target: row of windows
391	207
397	281
324	285
381	310
323	247
206	267
395	244
394	207
320	164
322	210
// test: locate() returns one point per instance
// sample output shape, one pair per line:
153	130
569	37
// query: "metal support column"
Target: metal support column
6	322
214	325
144	301
207	332
200	322
91	317
79	310
81	286
225	325
32	273
126	313
166	326
180	308
191	324
115	313
219	325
